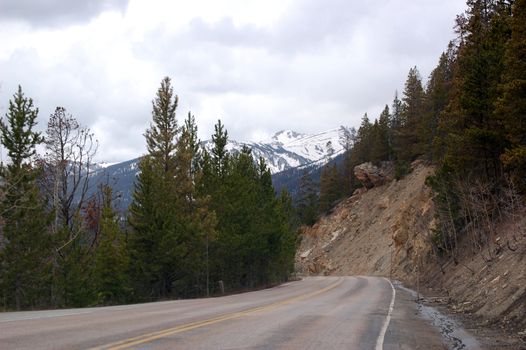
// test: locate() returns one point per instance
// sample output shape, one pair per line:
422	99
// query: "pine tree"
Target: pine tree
348	180
380	138
25	256
147	231
329	187
254	237
109	277
186	161
161	136
406	141
511	106
195	221
219	152
436	99
307	203
396	115
155	246
284	244
241	245
268	228
472	134
362	148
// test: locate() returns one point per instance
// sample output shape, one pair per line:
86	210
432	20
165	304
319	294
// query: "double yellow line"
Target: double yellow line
126	343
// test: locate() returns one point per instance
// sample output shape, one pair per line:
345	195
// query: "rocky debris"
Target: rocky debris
305	254
492	290
371	175
358	193
375	231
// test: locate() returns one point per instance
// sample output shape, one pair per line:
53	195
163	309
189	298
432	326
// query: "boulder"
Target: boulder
371	175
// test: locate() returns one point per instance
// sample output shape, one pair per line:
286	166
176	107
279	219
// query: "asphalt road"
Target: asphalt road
315	313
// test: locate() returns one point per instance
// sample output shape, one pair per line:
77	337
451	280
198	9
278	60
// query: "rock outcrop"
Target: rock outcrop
371	175
380	231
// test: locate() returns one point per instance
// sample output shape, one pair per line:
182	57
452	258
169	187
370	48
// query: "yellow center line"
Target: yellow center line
126	343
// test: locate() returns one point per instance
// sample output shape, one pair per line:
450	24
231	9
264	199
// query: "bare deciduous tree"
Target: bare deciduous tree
70	149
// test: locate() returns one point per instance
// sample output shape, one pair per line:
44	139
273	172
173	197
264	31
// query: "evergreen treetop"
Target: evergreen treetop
17	132
162	134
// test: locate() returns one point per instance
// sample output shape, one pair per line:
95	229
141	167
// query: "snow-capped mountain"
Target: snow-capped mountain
288	149
285	150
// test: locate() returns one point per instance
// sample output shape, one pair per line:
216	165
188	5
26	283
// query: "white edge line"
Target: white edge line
381	336
38	317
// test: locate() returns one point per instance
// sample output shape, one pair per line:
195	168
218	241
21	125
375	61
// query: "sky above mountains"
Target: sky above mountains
260	66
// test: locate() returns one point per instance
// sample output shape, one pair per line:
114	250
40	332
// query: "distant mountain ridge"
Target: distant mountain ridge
284	151
288	149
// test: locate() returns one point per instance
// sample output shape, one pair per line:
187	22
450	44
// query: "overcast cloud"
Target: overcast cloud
260	66
56	12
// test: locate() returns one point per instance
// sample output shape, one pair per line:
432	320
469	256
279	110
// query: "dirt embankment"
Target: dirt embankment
387	230
380	231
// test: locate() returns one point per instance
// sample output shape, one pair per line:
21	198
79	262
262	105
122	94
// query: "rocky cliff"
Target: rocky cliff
379	231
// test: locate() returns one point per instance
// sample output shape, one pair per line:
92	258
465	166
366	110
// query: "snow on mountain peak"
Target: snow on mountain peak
289	149
285	136
286	149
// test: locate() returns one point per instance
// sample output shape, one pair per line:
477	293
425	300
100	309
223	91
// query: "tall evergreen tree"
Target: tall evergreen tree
219	152
348	180
154	241
110	280
163	132
329	187
473	135
362	148
25	256
307	202
381	138
284	242
406	140
396	113
470	129
254	235
436	99
195	220
511	106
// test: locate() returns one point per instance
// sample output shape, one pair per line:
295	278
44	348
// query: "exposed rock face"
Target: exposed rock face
371	175
380	231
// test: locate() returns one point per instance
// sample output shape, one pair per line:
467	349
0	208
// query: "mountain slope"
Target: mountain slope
286	151
120	176
290	179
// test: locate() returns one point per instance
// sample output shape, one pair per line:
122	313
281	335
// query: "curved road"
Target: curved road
314	313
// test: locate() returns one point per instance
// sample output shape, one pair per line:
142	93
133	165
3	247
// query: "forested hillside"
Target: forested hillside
469	120
200	222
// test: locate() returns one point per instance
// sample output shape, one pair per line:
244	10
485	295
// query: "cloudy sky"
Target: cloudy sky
258	65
